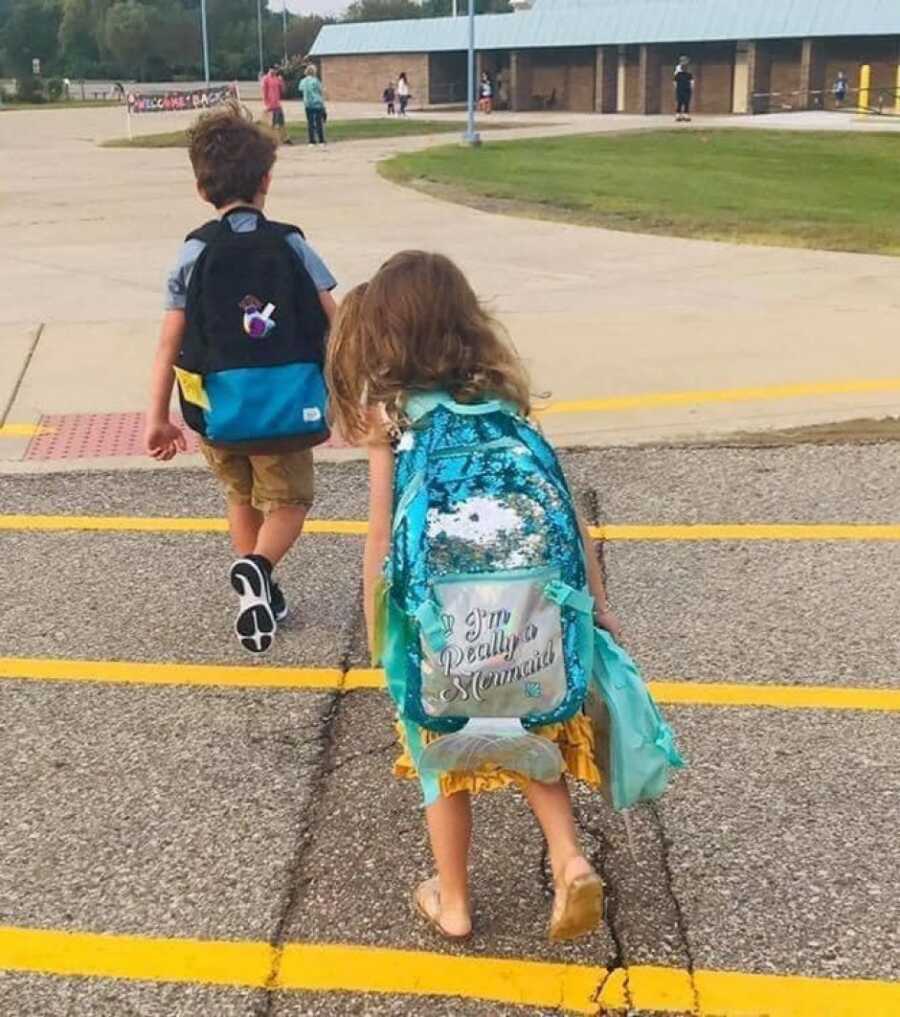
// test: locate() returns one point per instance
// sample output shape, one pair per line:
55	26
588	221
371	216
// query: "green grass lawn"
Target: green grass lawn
68	104
833	190
335	130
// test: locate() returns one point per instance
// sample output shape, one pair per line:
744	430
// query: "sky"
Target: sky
311	6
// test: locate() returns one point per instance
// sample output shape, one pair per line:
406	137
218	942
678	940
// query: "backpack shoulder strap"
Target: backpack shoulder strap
206	233
420	404
285	229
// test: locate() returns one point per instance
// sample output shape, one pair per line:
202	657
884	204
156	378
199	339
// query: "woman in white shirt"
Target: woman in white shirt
403	93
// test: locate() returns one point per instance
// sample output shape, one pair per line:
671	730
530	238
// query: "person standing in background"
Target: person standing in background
403	93
684	90
839	90
486	90
314	103
272	85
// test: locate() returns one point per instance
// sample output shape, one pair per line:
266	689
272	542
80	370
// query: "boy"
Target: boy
684	90
253	443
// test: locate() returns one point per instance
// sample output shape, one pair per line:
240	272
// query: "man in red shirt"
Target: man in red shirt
272	90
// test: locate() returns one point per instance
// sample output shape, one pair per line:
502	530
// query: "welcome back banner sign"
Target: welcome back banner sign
173	101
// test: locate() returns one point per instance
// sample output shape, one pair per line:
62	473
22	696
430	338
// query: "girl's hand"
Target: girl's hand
609	622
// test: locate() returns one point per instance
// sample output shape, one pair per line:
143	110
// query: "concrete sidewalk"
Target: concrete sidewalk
95	230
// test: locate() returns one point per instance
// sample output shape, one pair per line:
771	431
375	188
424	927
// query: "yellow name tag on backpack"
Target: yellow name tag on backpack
192	389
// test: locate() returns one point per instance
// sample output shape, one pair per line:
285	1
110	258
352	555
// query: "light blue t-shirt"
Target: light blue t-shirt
311	90
241	222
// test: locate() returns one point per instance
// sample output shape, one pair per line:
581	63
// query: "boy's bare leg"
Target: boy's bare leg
280	529
244	522
450	830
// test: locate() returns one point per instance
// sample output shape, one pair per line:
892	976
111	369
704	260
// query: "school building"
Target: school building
608	56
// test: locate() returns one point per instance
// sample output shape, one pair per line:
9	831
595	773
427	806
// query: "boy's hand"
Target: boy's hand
164	440
608	621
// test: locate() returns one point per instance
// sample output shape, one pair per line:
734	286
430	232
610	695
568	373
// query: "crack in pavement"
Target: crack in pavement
598	855
295	882
680	917
20	377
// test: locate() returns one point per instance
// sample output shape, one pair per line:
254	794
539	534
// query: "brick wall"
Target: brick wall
582	77
649	83
447	77
848	55
785	57
569	73
605	80
714	90
633	79
521	83
668	57
363	78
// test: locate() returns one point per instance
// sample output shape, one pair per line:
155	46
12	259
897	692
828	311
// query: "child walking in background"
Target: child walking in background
248	304
387	97
479	582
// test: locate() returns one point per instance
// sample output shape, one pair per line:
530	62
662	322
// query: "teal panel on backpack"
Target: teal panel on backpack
255	403
641	745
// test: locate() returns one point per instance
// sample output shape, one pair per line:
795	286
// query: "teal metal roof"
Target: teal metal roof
617	22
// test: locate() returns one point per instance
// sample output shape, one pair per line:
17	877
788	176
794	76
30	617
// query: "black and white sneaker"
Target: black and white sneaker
278	603
255	624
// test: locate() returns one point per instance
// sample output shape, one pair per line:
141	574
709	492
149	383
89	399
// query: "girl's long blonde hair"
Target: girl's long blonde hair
416	326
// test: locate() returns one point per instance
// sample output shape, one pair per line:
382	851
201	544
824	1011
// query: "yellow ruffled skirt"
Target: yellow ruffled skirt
574	738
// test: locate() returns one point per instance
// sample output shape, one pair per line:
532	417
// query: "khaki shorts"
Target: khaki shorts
266	482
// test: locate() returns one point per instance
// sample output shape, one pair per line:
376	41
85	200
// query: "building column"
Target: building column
519	80
648	86
812	74
759	71
606	80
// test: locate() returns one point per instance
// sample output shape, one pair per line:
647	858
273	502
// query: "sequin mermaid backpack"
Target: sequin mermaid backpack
485	620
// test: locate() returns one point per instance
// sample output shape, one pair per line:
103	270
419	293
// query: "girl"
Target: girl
417	327
388	96
487	93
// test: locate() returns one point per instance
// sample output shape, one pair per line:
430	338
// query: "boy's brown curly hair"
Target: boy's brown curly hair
230	154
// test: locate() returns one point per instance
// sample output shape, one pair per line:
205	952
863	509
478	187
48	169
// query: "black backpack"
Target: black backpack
250	365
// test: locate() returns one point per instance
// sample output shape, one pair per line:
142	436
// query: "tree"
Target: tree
302	32
128	32
382	10
30	32
78	37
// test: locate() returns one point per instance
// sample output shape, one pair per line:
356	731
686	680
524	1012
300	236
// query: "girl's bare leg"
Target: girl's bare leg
552	808
450	829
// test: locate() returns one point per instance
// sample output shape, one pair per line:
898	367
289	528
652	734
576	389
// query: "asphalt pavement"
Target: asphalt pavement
270	816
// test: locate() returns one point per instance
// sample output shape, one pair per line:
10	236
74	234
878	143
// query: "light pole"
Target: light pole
284	27
259	34
205	41
471	137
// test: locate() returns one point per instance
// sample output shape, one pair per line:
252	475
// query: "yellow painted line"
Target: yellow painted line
132	672
684	693
206	962
343	967
748	531
782	697
359	527
162	524
655	400
24	430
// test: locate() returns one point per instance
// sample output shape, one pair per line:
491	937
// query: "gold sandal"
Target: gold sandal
428	893
577	907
